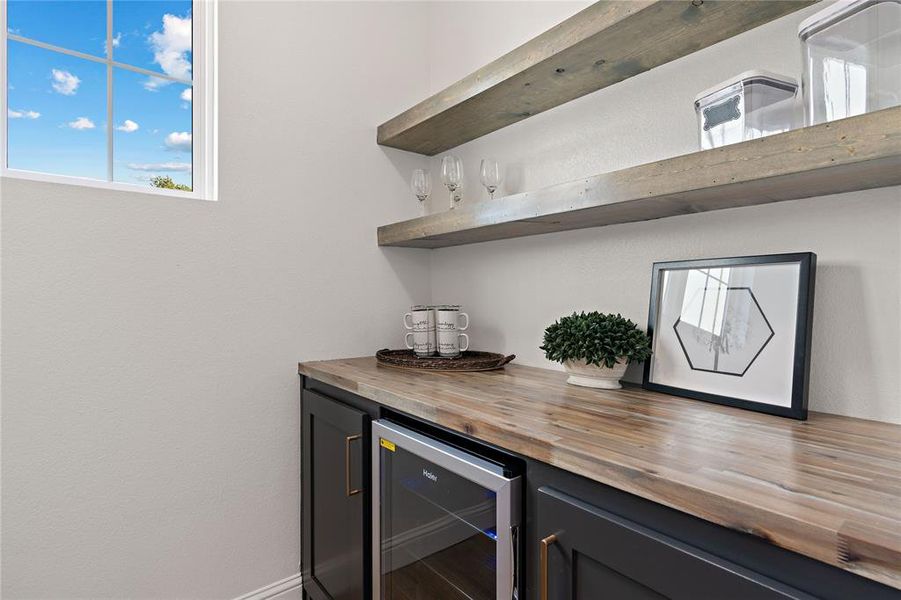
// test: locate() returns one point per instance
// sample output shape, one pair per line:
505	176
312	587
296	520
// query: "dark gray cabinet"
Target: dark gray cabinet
587	552
335	499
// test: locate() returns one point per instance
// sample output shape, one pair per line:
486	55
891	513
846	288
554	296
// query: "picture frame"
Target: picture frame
734	331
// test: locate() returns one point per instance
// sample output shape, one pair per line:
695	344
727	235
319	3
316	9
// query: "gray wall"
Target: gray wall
149	411
150	416
514	289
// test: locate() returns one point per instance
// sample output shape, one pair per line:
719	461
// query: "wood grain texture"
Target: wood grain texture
858	153
602	45
828	487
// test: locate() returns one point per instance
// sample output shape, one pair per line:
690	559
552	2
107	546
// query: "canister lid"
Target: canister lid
832	14
784	82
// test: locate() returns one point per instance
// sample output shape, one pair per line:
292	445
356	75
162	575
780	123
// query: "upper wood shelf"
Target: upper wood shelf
600	46
852	154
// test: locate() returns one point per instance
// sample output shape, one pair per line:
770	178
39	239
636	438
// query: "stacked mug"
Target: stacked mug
436	330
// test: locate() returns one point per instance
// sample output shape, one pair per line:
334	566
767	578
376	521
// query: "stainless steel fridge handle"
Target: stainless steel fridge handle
514	538
459	462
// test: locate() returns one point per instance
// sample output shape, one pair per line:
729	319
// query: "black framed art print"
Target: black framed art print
734	331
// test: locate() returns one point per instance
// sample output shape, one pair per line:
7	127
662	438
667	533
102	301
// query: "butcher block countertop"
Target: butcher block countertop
828	487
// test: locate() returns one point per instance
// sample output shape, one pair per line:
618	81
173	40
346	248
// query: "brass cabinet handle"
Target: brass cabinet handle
347	489
543	563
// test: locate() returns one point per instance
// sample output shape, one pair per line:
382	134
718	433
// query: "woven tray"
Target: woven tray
470	360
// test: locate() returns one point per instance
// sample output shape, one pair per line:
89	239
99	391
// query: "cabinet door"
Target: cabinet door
590	554
335	550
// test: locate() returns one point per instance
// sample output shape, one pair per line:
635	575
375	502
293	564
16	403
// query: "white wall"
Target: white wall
150	415
514	289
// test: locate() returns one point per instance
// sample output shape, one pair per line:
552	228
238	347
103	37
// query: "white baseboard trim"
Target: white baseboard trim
273	589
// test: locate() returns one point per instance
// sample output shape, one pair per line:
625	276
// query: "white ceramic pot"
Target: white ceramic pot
581	373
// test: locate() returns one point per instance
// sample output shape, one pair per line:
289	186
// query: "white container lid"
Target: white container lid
834	13
779	80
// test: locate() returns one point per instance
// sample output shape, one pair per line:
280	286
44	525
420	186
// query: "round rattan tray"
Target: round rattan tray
470	360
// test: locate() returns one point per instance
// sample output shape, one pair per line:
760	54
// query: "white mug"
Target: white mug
421	320
422	344
449	328
449	316
449	343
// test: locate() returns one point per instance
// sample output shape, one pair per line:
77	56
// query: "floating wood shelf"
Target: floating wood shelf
859	153
600	46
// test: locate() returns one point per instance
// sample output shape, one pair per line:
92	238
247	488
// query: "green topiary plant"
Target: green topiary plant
599	339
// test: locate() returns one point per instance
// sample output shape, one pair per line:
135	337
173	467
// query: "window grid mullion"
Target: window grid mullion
109	90
77	54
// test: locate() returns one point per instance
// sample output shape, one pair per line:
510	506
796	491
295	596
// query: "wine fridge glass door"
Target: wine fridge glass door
442	520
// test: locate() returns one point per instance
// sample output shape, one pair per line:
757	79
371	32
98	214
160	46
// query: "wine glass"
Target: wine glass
458	195
421	183
490	174
451	175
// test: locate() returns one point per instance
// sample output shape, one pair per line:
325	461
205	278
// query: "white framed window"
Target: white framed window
116	94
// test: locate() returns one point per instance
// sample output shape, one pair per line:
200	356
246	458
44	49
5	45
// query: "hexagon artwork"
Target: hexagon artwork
723	330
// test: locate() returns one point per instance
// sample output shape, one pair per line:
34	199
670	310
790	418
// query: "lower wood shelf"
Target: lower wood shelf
853	154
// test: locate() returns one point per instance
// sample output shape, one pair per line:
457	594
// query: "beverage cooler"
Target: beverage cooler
444	521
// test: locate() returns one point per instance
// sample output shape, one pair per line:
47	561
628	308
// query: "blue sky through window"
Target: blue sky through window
69	24
57	106
150	138
56	114
142	34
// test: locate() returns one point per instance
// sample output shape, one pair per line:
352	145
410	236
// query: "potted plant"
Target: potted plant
595	348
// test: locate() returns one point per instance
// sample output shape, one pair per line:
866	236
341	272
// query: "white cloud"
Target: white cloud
22	114
171	47
128	126
168	166
64	82
117	41
188	95
82	123
153	84
179	140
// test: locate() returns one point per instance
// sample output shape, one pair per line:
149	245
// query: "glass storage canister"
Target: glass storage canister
752	105
851	53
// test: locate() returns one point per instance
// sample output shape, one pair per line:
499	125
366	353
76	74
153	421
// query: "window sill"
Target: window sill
105	185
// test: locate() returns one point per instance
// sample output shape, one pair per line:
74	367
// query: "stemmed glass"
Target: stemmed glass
452	175
421	183
490	173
